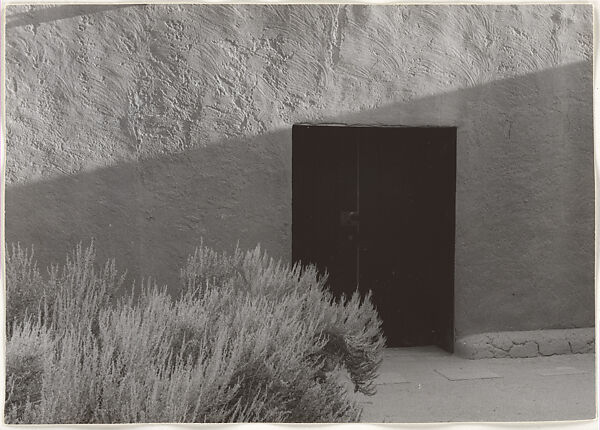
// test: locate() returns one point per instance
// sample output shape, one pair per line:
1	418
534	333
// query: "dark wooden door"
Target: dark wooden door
374	206
324	188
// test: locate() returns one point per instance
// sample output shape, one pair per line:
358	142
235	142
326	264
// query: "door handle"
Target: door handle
349	218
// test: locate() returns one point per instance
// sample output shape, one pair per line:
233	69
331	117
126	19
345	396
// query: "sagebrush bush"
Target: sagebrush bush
26	350
24	285
248	340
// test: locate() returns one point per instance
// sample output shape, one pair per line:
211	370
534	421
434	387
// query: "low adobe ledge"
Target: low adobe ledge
521	344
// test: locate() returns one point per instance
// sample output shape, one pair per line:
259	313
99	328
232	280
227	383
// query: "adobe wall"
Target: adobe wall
150	127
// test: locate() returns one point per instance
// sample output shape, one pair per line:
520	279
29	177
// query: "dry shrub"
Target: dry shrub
25	288
248	340
26	350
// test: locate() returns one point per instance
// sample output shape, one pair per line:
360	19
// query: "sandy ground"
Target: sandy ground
430	385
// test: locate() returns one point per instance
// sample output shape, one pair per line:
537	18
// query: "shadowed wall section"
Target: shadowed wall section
150	127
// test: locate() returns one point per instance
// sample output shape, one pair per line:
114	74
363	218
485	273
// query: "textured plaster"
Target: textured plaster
151	126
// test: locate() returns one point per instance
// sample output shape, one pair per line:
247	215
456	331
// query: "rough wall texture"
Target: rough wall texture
523	344
149	127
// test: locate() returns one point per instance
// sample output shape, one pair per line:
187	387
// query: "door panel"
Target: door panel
324	188
375	207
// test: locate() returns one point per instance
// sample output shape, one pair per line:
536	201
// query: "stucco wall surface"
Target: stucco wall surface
149	127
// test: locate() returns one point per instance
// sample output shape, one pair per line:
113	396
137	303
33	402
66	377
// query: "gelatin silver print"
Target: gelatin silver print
298	213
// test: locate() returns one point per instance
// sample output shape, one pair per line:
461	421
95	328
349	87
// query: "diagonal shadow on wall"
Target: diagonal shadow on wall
525	211
52	13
